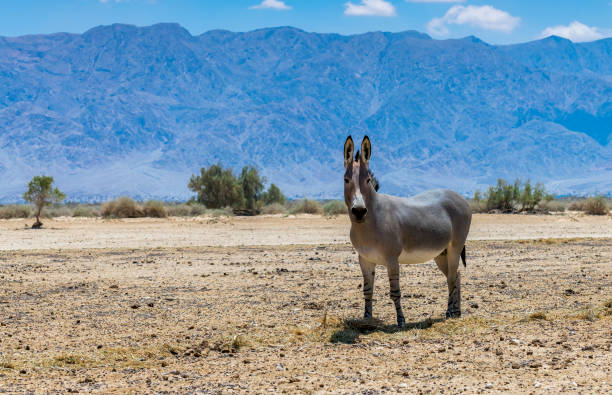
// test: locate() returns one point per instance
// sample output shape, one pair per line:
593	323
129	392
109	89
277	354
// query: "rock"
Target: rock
515	342
587	348
516	365
135	306
279	367
537	384
474	305
489	385
535	365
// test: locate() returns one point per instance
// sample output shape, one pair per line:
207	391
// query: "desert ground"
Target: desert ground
273	304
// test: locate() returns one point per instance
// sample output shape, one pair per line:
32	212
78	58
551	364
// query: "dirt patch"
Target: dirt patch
537	317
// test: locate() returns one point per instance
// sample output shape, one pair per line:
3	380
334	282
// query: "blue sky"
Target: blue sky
495	21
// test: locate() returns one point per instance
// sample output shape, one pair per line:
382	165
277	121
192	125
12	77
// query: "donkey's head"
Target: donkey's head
360	186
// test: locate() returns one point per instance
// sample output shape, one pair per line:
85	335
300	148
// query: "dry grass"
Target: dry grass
15	211
595	206
305	206
124	207
538	315
155	209
274	208
335	207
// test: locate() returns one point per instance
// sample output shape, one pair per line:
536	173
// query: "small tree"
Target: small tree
273	195
41	193
217	187
252	185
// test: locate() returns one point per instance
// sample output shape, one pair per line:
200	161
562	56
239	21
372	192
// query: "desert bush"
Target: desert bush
595	206
84	211
186	210
478	206
305	206
15	211
274	208
550	206
57	211
155	209
577	205
509	198
124	207
335	207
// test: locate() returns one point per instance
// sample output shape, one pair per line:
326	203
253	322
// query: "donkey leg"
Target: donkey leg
394	288
454	284
368	270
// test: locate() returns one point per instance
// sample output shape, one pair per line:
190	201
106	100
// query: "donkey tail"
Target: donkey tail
463	256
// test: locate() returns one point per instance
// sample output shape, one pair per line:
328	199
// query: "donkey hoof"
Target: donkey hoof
453	314
401	322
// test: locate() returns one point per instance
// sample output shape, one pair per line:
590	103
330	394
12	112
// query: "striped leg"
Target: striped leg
368	270
454	285
394	288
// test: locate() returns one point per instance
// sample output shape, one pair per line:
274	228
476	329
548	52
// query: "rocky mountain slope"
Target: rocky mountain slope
127	110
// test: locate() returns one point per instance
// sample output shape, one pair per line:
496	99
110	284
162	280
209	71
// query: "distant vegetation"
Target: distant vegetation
220	193
522	197
217	187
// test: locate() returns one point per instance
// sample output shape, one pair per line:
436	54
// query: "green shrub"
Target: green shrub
273	195
252	185
595	206
510	198
155	209
124	207
15	211
335	207
274	208
217	187
305	206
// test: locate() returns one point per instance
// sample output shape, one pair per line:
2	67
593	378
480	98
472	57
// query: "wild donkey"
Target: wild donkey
388	230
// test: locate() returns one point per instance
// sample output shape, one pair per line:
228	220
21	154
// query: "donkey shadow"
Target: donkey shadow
353	328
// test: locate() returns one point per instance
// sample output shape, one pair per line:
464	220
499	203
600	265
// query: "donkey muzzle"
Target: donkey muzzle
358	208
359	213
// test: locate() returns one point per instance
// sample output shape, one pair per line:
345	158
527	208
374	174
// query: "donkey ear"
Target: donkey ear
366	150
349	148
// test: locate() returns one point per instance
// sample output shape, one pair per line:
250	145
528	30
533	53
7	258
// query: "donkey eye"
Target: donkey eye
368	180
346	180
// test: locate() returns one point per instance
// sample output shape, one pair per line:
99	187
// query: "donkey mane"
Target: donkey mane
375	182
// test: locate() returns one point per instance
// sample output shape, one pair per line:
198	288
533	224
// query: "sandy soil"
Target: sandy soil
272	305
78	233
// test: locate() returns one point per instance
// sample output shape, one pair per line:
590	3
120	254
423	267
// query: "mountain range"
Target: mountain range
126	110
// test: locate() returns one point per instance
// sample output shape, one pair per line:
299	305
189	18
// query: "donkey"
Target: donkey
389	230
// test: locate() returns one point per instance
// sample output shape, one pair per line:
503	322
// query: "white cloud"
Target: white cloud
435	1
485	17
575	31
273	4
370	8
